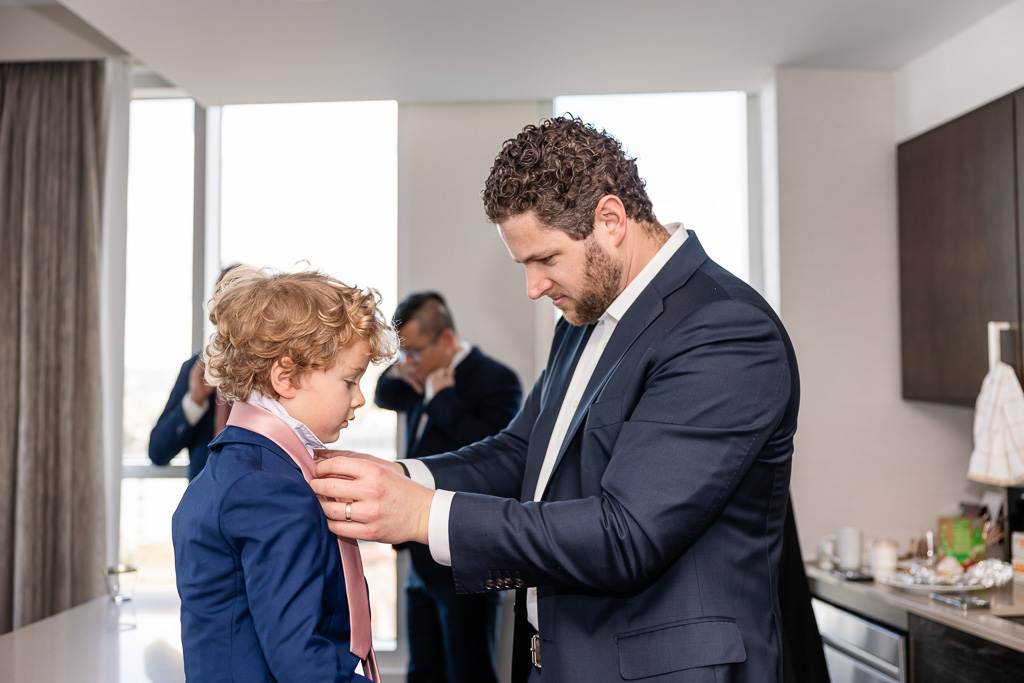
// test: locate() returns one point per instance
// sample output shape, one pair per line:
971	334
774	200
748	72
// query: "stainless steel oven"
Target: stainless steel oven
858	650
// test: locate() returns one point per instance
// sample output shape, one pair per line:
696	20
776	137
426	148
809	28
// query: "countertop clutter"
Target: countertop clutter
880	633
892	606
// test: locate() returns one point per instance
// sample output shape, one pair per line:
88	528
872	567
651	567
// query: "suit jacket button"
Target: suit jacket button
489	584
519	583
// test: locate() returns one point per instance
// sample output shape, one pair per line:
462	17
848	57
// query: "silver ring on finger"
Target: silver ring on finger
348	512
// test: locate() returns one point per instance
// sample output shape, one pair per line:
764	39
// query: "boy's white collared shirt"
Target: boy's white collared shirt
305	434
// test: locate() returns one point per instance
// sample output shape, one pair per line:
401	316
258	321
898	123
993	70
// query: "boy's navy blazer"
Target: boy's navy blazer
656	547
258	571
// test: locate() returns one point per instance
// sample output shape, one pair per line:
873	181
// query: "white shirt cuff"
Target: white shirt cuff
437	527
419	473
193	411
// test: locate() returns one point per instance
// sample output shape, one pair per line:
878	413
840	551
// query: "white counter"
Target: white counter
100	642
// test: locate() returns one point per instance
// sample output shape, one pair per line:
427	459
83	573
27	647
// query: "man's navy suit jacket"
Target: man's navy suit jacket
259	573
656	547
486	396
173	432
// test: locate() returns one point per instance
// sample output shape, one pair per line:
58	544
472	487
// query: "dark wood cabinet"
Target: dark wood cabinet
960	262
939	654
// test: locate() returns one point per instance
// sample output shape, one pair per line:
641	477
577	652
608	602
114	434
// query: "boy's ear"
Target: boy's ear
282	377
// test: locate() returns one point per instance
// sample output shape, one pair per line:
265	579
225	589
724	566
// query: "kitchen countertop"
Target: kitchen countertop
890	605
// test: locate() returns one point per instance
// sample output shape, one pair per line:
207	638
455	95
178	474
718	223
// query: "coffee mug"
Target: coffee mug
884	557
848	545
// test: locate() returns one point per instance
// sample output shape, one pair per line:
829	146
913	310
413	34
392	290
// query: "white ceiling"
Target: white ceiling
247	51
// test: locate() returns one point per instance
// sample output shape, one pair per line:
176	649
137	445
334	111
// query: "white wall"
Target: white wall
975	66
864	456
444	240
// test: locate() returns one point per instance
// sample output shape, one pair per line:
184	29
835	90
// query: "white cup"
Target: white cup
849	548
884	557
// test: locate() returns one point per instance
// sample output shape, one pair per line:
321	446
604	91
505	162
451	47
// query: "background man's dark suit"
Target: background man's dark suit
656	547
485	397
173	432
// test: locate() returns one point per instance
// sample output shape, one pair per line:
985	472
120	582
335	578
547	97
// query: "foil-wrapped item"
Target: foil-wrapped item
987	573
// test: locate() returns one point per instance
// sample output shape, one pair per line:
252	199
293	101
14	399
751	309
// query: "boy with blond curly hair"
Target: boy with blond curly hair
267	591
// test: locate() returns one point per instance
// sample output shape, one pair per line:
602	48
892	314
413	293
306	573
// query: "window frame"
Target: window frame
205	269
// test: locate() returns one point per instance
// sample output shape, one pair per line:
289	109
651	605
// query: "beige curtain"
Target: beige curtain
52	507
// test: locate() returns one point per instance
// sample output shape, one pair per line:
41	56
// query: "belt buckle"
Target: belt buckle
535	650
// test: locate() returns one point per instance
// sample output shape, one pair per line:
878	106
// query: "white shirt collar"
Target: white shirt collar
625	299
464	350
428	388
305	434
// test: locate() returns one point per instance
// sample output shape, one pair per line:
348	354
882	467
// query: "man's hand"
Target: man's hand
198	389
385	506
441	379
409	375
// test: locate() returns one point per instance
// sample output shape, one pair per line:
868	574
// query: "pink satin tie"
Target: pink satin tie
264	422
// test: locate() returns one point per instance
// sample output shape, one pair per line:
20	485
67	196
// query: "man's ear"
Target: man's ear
282	377
610	219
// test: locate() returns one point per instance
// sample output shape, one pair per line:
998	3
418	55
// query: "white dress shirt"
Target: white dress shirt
193	411
428	386
440	508
305	434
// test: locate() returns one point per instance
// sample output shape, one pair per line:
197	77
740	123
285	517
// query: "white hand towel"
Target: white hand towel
998	456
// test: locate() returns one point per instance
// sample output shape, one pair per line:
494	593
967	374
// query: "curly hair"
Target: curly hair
262	316
560	170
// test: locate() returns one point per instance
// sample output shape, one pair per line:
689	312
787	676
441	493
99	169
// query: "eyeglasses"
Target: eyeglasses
413	355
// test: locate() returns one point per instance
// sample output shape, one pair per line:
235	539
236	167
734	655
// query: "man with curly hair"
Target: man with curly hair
637	501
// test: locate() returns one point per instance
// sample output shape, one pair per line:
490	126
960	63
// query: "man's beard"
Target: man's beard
601	278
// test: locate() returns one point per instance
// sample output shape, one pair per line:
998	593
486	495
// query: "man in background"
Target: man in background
452	395
187	420
192	417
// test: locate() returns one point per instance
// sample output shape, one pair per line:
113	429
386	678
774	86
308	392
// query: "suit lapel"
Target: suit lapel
638	317
561	369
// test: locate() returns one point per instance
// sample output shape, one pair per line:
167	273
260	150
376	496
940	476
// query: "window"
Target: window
158	310
297	190
691	148
316	185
